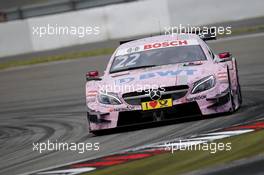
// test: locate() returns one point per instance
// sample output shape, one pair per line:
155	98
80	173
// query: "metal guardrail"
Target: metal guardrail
53	7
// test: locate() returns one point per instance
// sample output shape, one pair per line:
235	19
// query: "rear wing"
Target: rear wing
206	35
125	41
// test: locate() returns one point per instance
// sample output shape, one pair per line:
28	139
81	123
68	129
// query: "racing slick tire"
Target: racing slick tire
231	94
239	93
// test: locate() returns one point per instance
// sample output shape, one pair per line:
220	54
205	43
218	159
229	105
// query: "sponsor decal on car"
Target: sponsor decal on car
156	45
199	97
149	75
128	108
222	76
156	104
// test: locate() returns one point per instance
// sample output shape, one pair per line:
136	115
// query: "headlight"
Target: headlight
203	84
109	98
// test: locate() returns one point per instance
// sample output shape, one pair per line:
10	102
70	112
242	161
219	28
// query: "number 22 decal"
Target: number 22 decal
127	61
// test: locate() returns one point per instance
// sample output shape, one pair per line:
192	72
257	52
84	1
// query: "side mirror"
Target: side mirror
225	56
92	75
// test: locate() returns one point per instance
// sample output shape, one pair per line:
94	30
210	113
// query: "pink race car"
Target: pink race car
161	78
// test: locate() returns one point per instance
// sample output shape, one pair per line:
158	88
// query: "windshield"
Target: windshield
157	57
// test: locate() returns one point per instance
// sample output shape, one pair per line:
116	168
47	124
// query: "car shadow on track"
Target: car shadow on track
134	127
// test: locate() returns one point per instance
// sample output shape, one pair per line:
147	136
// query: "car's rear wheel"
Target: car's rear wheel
231	94
238	89
239	95
233	106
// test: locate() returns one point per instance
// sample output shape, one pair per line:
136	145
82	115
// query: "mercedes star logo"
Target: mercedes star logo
155	94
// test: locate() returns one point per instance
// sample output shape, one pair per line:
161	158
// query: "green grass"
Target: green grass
243	146
73	55
248	30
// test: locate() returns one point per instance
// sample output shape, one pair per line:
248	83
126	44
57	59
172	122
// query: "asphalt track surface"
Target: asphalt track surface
47	102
